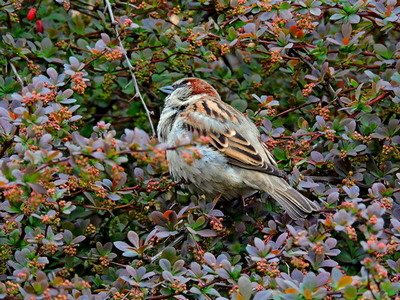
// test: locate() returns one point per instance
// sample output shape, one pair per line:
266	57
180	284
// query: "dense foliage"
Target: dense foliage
88	210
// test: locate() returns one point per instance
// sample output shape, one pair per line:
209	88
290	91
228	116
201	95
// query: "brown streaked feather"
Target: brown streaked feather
213	108
212	116
219	142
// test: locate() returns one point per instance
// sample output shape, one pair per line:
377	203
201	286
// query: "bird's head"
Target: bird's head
188	90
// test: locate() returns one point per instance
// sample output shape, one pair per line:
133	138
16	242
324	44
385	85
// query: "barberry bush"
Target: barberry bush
88	210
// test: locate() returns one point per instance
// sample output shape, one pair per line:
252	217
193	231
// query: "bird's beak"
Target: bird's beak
168	89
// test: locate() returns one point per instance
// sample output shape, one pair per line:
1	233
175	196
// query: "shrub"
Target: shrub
88	210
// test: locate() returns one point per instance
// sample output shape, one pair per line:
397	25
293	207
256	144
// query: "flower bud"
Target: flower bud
31	14
39	26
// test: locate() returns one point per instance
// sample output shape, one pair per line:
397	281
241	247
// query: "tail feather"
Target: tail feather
296	205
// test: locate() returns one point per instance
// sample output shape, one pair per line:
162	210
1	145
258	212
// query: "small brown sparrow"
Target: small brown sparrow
235	162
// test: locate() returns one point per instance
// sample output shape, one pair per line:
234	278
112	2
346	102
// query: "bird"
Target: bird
233	162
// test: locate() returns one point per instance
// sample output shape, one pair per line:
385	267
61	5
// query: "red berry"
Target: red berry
39	26
31	14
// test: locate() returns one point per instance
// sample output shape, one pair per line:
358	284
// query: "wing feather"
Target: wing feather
214	118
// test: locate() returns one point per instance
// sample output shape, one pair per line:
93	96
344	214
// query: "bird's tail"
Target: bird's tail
296	205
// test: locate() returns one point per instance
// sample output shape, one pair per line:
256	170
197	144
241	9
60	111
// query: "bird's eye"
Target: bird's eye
181	84
169	89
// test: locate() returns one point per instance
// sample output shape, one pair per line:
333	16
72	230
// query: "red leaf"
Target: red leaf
246	35
293	29
389	10
300	33
296	31
171	216
158	218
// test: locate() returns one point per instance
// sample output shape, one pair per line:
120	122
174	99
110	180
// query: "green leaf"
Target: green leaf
345	257
350	292
220	19
284	5
199	222
8	86
232	33
353	83
238	24
279	154
391	288
236	272
337	17
169	254
14	237
383	51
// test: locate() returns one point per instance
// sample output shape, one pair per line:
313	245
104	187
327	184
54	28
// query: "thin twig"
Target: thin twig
293	109
64	159
92	207
135	83
174	242
21	82
373	101
160	297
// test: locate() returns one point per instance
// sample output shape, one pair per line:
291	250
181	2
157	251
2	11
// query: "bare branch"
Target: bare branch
135	83
21	82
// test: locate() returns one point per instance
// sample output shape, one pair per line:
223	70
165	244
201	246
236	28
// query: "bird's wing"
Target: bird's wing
214	119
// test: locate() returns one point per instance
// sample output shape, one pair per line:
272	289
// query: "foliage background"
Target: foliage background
87	208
